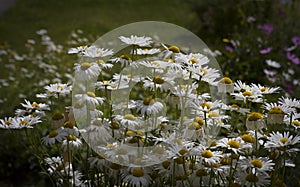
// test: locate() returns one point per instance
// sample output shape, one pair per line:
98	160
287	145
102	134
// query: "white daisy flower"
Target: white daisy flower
141	41
8	122
210	157
161	83
95	52
170	51
261	164
236	108
156	64
124	59
289	102
250	179
129	120
233	144
282	141
54	164
35	106
146	51
55	136
72	142
55	90
98	162
81	50
87	71
206	74
26	121
137	176
149	106
241	87
192	59
89	98
263	89
255	97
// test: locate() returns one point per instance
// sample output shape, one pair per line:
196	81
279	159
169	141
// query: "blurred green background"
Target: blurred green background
211	20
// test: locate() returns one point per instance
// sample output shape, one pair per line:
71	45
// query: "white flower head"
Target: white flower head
141	41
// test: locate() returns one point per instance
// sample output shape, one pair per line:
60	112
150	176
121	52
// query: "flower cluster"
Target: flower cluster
158	115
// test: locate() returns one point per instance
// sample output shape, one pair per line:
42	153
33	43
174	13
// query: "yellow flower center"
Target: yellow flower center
225	161
225	40
201	173
174	49
226	80
72	137
34	104
199	120
155	63
284	140
256	163
183	151
114	125
91	94
110	145
170	60
204	71
101	61
166	164
179	160
205	104
252	178
263	89
276	110
130	133
234	144
213	114
60	88
8	122
69	125
133	140
25	122
296	123
140	133
158	80
194	60
178	141
138	172
207	154
148	101
129	117
85	66
194	126
235	106
247	93
125	57
248	138
52	134
254	116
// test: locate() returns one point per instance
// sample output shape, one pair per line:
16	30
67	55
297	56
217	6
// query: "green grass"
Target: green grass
95	17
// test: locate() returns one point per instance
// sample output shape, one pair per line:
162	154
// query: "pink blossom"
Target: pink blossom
296	40
267	28
266	50
292	58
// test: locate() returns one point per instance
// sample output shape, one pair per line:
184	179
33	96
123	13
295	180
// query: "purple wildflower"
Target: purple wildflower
296	40
267	28
292	58
228	48
266	50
